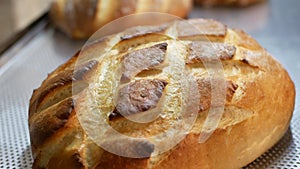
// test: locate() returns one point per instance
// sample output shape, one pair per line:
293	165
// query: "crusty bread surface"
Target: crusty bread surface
83	93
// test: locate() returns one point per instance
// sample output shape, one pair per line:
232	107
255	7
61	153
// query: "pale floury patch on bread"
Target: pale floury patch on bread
69	114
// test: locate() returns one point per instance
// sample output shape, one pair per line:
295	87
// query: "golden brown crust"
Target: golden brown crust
259	103
237	145
63	80
51	120
120	162
81	18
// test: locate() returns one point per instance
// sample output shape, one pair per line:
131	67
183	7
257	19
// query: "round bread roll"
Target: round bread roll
81	18
141	98
240	3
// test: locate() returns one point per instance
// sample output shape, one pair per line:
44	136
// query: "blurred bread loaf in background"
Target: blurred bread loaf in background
81	18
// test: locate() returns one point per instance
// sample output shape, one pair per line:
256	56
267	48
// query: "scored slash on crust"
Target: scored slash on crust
143	59
138	96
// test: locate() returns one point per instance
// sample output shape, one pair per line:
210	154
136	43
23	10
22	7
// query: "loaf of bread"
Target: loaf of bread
146	98
81	18
241	3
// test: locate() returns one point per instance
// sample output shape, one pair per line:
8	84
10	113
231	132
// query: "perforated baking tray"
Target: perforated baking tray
26	64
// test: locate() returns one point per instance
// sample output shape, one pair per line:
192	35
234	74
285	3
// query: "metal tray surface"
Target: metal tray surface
18	77
275	28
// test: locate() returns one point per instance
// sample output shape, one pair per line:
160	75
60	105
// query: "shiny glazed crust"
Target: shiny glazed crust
259	100
81	18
